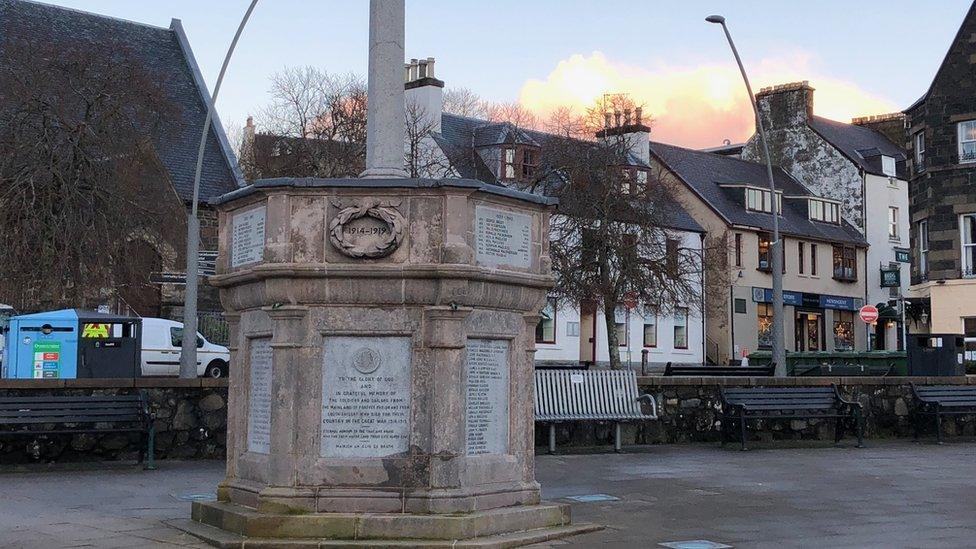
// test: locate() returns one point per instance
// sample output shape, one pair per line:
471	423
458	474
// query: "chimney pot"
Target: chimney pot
606	120
637	113
430	67
616	118
626	117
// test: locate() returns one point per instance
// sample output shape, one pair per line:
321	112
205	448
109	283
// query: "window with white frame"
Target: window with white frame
968	227
919	142
620	323
888	165
650	329
967	141
923	247
545	330
893	223
822	210
681	328
758	200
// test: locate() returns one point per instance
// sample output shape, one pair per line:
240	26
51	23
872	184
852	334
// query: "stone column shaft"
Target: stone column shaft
386	113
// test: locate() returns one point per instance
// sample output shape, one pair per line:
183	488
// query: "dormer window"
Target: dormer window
888	165
758	200
822	210
519	163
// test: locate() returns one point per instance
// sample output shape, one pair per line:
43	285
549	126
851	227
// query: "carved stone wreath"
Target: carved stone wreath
384	243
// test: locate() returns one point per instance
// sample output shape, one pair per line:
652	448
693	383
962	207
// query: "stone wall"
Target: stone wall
191	421
690	411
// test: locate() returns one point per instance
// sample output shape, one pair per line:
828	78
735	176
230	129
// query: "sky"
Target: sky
864	57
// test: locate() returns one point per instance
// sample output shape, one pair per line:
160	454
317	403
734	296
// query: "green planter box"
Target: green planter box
864	363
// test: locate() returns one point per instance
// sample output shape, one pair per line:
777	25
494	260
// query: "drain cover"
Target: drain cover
209	496
695	544
589	498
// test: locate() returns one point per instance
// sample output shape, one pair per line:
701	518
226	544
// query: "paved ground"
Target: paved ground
890	495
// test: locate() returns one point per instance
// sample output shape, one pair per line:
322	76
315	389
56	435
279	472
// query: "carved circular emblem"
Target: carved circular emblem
366	360
367	230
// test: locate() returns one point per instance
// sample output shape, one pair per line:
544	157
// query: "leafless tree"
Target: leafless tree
612	239
464	102
422	154
85	205
315	125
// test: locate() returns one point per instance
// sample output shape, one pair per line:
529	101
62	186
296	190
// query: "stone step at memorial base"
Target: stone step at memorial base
232	526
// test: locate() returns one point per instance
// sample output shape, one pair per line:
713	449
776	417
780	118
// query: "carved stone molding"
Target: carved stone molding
367	230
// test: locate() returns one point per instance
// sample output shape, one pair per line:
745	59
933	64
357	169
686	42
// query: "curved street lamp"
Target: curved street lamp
188	352
779	340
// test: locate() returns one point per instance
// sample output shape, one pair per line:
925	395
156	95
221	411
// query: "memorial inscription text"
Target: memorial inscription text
502	238
259	397
486	391
365	396
247	237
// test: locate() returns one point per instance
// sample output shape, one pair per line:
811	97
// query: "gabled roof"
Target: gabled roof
970	16
708	174
461	135
166	57
861	145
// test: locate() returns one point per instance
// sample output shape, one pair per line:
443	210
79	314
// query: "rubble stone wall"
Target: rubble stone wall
191	421
690	411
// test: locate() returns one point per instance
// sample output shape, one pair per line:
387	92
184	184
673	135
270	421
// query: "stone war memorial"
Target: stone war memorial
382	346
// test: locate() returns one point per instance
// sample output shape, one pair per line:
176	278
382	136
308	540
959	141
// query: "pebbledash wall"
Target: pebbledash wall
690	411
191	421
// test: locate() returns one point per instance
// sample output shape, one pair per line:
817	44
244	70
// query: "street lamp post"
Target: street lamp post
779	340
188	349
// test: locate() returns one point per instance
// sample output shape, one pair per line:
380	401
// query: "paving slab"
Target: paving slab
891	494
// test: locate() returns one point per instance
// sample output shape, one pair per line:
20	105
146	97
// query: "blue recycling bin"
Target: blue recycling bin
72	343
43	345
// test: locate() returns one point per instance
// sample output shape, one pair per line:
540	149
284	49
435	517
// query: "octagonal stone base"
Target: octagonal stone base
223	524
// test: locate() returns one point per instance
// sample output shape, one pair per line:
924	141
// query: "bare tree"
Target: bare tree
464	102
314	126
612	243
81	188
422	155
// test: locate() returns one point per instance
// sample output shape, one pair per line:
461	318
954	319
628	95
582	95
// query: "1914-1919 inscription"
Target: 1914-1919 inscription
247	238
502	238
259	397
487	391
365	396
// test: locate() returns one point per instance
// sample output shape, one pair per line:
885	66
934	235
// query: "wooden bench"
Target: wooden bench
742	404
67	415
591	395
723	371
940	400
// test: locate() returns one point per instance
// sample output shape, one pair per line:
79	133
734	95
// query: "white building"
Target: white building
502	153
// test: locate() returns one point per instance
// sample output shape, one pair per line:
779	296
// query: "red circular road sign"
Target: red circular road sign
869	314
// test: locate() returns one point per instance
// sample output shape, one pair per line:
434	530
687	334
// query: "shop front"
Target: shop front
814	322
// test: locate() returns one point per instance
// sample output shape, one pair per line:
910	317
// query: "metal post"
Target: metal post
779	339
188	352
904	325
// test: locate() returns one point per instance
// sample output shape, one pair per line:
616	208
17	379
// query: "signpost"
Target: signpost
869	314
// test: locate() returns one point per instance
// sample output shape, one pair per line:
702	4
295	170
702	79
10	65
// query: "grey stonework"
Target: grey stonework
804	154
943	188
191	423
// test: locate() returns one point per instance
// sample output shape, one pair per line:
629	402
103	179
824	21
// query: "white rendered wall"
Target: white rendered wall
880	194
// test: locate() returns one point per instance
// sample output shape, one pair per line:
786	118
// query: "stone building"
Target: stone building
859	166
942	142
166	56
824	267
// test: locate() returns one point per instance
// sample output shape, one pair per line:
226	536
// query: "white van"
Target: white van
161	341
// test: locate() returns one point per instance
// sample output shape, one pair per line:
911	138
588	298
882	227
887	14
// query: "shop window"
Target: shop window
764	325
681	328
843	330
545	330
845	263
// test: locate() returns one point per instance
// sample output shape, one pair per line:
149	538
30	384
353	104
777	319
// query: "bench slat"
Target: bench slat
69	419
68	399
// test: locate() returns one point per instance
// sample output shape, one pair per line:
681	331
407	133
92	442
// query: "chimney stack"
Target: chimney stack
425	92
785	105
385	108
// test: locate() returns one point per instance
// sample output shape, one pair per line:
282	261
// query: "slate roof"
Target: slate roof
705	172
166	57
863	146
461	135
